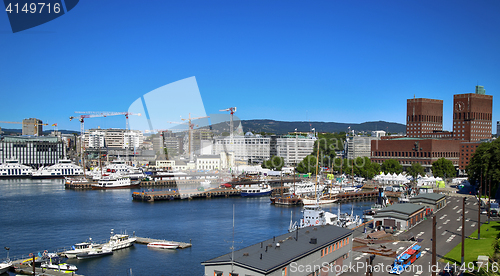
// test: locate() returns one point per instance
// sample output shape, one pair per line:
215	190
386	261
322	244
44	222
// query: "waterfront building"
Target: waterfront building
32	151
32	126
113	138
251	148
208	162
293	148
430	200
359	146
307	249
401	216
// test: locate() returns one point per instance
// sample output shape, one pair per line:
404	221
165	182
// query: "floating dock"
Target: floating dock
182	245
28	270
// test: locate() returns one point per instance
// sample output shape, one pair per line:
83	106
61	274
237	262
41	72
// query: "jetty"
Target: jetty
24	269
187	194
141	240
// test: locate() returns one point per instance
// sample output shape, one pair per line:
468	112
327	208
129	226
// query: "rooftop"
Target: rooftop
289	249
430	196
403	208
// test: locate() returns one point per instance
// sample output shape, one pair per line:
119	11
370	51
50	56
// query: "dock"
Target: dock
188	194
28	270
182	245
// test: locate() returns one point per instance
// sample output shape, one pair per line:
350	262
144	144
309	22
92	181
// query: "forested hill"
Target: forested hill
280	127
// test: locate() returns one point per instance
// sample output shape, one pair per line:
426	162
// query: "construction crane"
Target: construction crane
232	110
34	124
95	114
191	126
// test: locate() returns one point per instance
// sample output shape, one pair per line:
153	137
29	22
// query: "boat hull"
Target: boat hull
318	202
4	267
266	193
286	201
131	186
90	255
163	245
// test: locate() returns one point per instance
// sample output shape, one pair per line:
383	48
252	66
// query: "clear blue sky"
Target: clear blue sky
341	61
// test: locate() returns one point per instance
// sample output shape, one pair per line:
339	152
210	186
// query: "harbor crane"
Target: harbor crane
231	128
34	124
191	126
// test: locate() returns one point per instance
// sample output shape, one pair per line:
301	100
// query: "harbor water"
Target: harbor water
38	215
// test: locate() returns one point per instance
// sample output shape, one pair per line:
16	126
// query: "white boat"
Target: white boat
349	221
12	168
52	262
95	253
119	167
115	182
323	200
79	248
119	241
163	245
313	215
5	266
256	190
63	168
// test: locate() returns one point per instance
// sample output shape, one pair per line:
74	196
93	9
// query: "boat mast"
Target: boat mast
317	162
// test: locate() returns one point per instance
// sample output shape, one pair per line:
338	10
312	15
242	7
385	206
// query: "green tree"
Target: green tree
443	166
486	161
415	170
391	166
308	165
275	163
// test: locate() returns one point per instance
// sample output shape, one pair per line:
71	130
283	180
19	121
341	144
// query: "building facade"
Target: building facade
248	148
113	138
32	126
430	200
208	162
402	216
423	116
359	146
472	116
32	151
294	148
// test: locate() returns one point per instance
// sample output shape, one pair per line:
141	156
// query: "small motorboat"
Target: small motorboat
163	245
53	263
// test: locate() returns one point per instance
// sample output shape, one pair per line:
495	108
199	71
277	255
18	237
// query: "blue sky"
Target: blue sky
341	61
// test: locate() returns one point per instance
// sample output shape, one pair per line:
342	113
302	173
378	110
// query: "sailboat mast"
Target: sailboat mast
317	162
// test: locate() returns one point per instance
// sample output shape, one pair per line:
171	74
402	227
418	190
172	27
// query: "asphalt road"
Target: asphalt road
448	235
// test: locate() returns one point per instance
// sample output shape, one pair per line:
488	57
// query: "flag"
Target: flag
54	124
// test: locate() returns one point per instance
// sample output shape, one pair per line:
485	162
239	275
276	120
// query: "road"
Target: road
448	235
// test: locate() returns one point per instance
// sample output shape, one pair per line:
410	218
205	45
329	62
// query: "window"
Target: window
284	271
218	273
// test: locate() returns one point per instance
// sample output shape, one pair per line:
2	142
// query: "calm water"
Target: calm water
39	215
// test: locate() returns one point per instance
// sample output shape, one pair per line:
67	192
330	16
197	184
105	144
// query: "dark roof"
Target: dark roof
431	196
288	251
405	209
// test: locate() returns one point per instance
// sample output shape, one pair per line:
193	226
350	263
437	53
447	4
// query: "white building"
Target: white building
132	139
294	148
96	139
378	133
208	162
113	138
359	146
252	148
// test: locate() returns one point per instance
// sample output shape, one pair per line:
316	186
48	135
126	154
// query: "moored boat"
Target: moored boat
119	241
256	190
95	253
63	168
13	168
80	248
115	182
163	245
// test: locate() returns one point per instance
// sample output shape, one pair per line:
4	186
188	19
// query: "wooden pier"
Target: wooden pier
188	194
182	245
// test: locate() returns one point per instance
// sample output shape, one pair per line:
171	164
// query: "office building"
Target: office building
359	146
472	116
113	138
293	148
249	148
423	117
32	151
32	126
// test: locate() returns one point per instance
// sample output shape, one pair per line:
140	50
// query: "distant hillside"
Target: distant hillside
280	127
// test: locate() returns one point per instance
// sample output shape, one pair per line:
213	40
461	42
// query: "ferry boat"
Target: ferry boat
12	168
63	168
115	182
256	190
163	245
119	241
